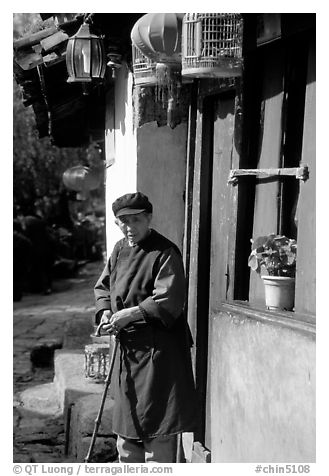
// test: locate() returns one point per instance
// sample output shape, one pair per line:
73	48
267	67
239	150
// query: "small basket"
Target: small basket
96	362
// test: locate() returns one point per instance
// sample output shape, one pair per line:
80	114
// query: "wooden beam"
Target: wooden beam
51	42
28	60
34	39
53	58
300	173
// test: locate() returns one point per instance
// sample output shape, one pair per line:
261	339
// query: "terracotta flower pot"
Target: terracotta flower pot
279	292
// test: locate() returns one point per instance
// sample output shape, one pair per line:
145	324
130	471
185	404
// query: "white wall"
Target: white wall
120	149
151	160
161	171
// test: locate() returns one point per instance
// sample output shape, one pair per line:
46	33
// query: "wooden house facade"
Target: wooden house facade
254	368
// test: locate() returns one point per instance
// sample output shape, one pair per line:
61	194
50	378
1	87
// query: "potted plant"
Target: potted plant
277	254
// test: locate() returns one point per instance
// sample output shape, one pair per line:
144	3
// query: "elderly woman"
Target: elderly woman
140	297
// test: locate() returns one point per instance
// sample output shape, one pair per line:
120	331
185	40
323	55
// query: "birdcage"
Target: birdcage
212	45
144	68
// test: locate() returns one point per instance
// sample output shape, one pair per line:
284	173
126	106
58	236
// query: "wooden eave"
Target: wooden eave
61	110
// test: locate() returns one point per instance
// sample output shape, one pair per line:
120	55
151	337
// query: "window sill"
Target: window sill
299	322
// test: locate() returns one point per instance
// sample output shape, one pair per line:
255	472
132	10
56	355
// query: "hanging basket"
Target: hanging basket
212	45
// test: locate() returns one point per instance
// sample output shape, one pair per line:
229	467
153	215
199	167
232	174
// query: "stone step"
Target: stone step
69	379
41	399
79	400
82	423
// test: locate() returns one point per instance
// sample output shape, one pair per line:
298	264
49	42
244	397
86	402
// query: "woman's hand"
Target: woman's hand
120	319
105	321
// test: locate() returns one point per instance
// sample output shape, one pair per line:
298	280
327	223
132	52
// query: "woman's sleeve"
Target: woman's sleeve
102	293
168	296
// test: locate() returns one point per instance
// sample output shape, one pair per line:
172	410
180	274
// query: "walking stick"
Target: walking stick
106	387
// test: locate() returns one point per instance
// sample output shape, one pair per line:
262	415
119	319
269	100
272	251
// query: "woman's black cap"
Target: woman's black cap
131	204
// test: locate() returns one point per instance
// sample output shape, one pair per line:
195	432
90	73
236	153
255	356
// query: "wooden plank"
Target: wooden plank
247	126
53	41
268	194
194	247
33	39
189	182
221	263
221	208
300	173
198	292
52	59
28	60
233	200
302	323
305	295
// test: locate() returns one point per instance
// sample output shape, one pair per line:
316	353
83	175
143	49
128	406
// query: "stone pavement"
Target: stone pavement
38	329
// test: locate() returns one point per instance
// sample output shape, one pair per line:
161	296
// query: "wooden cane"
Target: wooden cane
100	411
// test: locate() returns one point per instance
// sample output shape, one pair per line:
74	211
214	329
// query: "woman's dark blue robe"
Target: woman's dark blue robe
154	387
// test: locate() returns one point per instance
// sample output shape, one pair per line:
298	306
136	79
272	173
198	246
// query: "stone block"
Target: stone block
41	399
70	381
22	458
104	450
82	423
46	458
200	454
85	411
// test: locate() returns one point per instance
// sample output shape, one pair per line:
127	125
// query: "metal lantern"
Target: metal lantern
82	179
212	45
85	57
144	68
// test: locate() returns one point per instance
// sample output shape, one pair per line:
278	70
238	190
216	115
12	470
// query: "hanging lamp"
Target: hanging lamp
212	45
85	56
158	37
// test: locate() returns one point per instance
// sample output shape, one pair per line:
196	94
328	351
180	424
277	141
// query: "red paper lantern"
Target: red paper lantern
82	179
158	36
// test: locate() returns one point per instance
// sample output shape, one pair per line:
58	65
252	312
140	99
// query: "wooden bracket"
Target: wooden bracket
301	173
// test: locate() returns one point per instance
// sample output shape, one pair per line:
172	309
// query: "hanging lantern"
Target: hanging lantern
212	45
85	57
158	37
82	179
144	68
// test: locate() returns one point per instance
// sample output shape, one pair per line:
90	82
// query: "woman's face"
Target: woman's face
134	227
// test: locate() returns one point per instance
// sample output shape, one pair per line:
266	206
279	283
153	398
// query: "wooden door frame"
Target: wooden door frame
198	228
